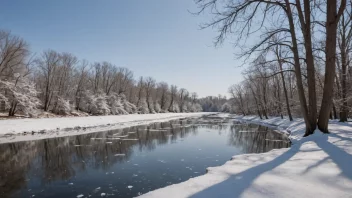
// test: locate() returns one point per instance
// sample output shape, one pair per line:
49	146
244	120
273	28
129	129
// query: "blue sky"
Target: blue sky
157	38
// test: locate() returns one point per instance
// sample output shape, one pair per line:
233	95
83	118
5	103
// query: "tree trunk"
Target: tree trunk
305	21
332	20
256	102
285	92
334	111
298	72
344	109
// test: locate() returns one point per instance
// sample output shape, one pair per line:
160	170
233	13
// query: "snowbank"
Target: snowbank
22	129
315	166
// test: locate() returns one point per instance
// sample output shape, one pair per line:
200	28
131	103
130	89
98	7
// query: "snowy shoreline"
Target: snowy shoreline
34	129
316	166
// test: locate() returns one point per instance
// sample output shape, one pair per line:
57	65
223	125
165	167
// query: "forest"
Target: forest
296	57
59	83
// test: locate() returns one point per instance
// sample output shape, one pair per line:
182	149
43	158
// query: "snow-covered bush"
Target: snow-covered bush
157	107
129	107
88	102
143	107
198	107
116	106
175	108
101	105
63	107
21	96
95	104
226	107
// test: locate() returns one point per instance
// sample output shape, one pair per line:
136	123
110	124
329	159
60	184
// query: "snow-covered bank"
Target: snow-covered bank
315	166
22	129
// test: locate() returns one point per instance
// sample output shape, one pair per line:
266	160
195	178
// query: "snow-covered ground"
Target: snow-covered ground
316	166
23	129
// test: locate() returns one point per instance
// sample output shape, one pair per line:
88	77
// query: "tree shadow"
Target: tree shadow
320	162
340	157
236	184
341	137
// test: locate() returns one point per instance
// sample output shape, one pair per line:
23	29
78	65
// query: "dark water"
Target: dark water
127	162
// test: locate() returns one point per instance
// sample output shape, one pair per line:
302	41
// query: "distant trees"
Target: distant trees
62	84
213	103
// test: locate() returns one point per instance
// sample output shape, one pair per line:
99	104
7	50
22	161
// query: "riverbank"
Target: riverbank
14	130
315	166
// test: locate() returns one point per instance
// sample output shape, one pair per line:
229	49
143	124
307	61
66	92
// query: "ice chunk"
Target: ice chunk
79	196
129	187
121	136
157	130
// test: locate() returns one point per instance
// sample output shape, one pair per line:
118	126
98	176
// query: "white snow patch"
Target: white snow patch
69	126
79	196
129	187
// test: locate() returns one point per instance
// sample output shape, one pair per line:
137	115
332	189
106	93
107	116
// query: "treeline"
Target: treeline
60	83
214	104
298	55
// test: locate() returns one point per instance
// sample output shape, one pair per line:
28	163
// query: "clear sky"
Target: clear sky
157	38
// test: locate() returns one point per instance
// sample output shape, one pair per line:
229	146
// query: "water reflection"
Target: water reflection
28	168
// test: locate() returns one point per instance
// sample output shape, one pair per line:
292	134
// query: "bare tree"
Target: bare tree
332	20
48	65
149	88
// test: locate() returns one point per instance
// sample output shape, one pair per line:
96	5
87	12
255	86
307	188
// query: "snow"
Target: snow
13	130
79	196
316	166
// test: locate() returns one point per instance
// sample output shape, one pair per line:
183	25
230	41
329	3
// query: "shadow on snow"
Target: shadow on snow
236	184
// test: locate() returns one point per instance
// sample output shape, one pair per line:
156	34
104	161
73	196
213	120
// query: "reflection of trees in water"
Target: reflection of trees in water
169	132
14	163
256	139
60	158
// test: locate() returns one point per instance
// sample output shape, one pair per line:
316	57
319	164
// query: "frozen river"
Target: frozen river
127	162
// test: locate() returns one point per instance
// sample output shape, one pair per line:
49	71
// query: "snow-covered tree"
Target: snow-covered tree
101	105
157	107
226	107
129	107
175	108
116	106
62	107
21	96
88	102
143	107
